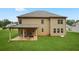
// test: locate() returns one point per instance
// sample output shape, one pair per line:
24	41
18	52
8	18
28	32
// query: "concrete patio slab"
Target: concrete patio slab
18	38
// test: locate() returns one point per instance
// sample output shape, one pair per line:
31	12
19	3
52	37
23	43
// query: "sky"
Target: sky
12	13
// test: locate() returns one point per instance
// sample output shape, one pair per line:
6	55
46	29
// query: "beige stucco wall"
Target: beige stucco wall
45	26
48	26
54	24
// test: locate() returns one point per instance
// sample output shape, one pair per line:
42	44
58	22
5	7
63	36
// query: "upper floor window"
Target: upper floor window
20	21
42	21
54	30
60	21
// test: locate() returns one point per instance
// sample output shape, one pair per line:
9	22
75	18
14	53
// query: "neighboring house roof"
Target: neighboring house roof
75	27
68	26
10	25
24	26
75	24
40	14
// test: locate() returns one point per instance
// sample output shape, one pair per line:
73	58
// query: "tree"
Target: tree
70	22
1	23
4	22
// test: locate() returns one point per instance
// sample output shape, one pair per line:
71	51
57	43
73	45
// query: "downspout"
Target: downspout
49	27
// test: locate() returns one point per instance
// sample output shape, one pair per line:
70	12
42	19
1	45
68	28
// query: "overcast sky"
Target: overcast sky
11	13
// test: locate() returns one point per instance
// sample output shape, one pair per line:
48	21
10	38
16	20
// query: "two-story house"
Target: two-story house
40	23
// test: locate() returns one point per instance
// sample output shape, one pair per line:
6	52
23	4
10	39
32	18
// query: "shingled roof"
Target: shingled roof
40	14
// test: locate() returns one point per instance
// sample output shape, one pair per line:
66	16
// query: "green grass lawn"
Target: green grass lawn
45	43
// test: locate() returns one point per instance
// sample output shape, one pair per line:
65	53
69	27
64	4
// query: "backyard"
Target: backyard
44	43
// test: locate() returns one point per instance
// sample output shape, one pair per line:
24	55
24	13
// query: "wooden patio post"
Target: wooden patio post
36	34
19	33
23	33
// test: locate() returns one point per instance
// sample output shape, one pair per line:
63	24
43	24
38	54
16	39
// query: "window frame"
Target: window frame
60	21
20	21
62	30
42	29
54	30
58	30
42	21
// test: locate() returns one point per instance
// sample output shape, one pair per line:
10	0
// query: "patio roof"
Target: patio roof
23	26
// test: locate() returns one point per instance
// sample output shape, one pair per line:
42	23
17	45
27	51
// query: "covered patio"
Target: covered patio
25	32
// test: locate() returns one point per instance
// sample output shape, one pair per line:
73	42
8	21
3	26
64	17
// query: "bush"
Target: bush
4	28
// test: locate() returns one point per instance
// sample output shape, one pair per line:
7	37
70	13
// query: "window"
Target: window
20	21
58	30
61	30
42	21
54	30
60	21
42	30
